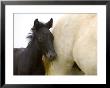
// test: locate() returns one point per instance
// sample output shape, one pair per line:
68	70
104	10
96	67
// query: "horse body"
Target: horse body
28	61
75	42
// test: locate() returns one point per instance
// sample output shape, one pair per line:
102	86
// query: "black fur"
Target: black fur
28	61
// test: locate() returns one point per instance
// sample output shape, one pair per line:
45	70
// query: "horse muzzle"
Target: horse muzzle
51	55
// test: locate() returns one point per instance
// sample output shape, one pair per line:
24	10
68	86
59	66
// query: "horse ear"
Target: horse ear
36	23
49	23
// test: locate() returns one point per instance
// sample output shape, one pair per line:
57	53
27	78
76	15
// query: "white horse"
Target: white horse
75	41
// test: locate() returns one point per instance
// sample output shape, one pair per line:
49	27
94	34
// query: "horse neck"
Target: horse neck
34	52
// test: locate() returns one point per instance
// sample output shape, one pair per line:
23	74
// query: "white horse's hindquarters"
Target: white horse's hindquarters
85	47
85	57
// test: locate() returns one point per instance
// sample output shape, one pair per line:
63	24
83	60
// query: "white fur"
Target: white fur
75	40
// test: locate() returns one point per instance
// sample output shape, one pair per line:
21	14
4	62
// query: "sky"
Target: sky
23	24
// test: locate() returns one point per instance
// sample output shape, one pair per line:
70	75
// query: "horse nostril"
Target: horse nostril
51	55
